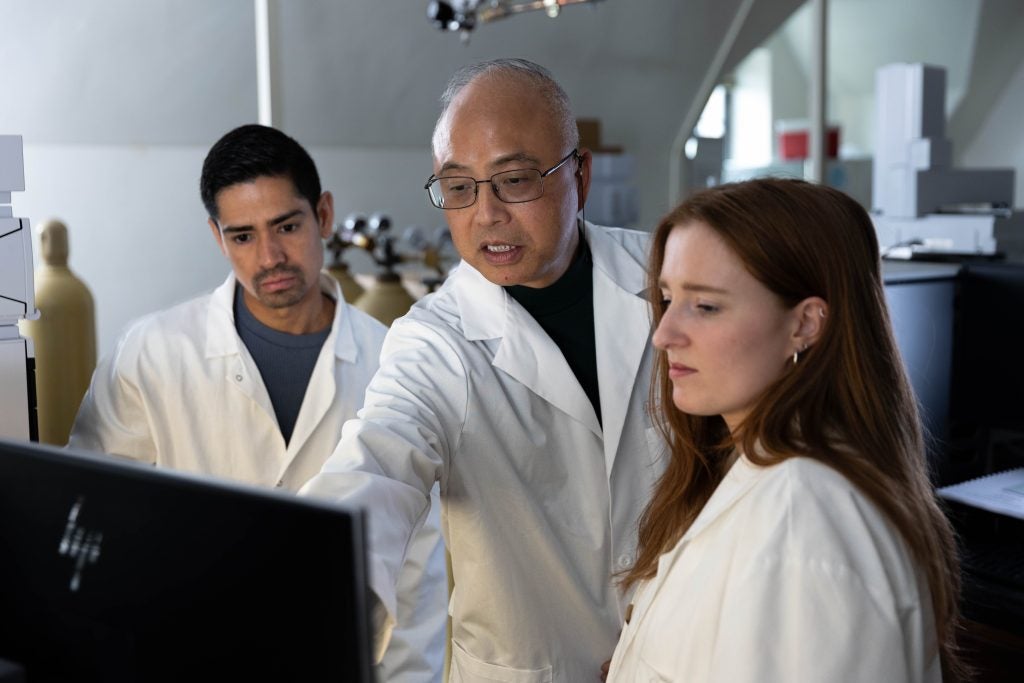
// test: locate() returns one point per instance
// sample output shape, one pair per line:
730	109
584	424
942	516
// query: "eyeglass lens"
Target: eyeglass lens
510	186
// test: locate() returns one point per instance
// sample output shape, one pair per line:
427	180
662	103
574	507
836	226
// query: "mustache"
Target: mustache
276	272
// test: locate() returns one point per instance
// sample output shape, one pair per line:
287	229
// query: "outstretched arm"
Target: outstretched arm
390	457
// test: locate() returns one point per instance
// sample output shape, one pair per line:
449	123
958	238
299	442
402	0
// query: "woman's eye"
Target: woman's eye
707	308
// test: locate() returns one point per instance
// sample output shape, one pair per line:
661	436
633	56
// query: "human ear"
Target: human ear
325	214
810	315
583	176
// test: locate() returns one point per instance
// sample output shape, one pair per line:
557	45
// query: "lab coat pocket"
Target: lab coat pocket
466	668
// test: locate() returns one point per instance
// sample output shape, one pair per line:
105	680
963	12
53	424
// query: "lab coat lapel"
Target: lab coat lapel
525	351
622	329
340	345
222	341
529	355
740	479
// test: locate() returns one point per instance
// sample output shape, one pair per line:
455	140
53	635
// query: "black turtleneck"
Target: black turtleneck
565	309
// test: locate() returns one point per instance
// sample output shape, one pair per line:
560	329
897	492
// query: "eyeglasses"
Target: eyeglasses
511	187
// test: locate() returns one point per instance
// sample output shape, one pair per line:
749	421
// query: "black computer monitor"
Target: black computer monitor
114	571
921	301
988	383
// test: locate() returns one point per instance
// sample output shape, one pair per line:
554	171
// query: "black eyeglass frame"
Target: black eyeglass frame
574	154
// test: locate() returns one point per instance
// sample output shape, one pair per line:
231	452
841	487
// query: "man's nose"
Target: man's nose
271	251
489	209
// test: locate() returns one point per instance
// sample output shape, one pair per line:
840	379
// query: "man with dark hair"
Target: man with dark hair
520	386
251	151
253	381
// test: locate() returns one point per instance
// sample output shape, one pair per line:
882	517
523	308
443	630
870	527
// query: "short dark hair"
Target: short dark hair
252	151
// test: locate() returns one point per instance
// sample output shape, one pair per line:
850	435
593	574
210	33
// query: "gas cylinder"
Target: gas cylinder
64	336
350	289
387	299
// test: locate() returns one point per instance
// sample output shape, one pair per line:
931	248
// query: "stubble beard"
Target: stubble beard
285	298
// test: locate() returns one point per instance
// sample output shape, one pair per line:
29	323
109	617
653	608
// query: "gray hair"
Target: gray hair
522	69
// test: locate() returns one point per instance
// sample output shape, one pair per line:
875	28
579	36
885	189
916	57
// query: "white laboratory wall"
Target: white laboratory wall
119	100
166	72
940	32
138	231
789	83
359	73
751	142
999	142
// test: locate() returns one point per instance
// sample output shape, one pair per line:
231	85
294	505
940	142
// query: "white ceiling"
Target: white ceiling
367	73
352	72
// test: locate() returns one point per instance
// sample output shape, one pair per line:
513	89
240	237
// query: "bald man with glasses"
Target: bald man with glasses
519	386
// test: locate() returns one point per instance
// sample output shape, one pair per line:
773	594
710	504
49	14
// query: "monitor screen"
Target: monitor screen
114	571
921	300
989	378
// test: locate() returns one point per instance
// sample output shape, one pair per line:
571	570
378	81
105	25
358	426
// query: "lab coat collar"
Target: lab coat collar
320	394
614	261
222	341
621	325
738	481
483	305
740	478
222	338
622	329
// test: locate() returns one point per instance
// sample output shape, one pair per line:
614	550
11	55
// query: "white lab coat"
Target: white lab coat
788	574
182	391
540	504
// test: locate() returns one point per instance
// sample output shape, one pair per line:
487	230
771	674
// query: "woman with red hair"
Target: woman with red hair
794	535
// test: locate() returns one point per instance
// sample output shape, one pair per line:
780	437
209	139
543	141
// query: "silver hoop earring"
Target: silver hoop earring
796	354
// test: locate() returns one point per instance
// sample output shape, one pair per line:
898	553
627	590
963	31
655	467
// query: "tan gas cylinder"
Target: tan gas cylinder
350	289
387	299
64	336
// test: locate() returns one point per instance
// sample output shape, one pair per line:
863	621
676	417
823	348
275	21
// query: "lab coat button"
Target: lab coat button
624	561
238	378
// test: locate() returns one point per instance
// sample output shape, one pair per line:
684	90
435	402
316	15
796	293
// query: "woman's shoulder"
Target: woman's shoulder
800	487
811	512
796	472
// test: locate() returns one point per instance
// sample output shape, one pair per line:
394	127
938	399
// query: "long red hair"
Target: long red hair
847	403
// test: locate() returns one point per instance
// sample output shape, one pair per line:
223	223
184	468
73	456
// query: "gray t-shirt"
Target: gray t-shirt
285	362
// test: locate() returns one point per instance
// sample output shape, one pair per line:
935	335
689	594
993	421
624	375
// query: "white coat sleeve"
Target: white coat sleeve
401	443
416	652
814	622
113	416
